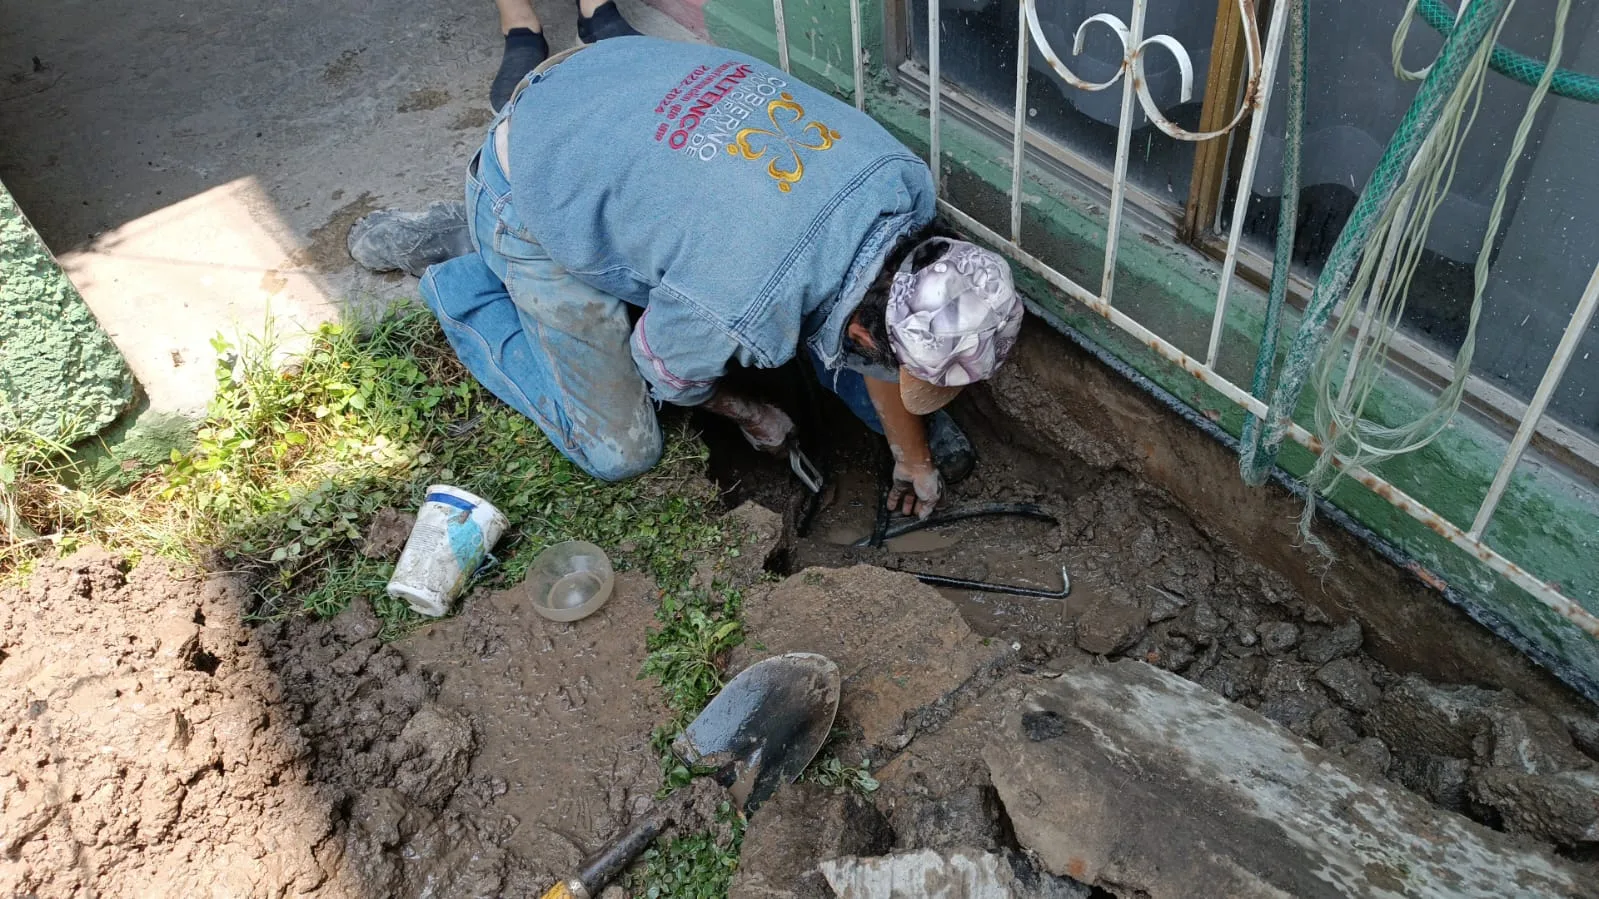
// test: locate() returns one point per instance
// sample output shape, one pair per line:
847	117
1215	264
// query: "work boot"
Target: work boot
607	22
390	240
952	451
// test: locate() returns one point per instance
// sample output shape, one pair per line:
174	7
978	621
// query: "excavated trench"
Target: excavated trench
1150	582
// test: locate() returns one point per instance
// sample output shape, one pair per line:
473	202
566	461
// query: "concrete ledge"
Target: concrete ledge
60	375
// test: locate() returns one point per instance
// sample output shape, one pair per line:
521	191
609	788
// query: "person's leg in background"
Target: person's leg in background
525	48
599	20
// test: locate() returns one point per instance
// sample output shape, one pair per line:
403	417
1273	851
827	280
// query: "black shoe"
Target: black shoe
524	50
952	451
606	23
389	240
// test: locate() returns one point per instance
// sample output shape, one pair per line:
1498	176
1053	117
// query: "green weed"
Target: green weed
696	866
834	773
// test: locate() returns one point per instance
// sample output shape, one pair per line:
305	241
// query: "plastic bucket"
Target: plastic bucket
454	532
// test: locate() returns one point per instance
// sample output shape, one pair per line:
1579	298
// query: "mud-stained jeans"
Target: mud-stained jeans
550	346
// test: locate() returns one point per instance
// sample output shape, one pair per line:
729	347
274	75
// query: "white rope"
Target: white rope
1341	413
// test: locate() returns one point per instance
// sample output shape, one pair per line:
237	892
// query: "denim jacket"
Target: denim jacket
742	209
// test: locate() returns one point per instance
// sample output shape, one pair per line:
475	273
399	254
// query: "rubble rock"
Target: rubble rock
1233	678
1277	637
801	826
1560	808
1439	778
1111	624
762	536
1426	718
1369	756
1166	606
1350	683
1153	785
1333	728
1584	730
900	646
1527	741
1201	623
1322	646
967	817
1295	711
1288	676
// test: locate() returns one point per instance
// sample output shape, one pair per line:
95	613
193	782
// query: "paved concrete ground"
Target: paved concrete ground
195	165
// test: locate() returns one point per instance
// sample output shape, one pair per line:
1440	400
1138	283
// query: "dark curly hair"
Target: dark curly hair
872	313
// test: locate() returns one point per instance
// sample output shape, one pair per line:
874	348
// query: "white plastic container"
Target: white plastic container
453	533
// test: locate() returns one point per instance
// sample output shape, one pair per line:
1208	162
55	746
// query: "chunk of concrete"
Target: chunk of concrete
1111	623
1437	777
1430	719
1130	778
958	874
1322	647
1350	684
801	826
901	648
1561	808
1527	741
921	875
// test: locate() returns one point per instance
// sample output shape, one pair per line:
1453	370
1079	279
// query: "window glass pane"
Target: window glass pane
1548	242
978	54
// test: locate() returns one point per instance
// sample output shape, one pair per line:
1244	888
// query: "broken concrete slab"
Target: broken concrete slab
901	647
1131	778
921	875
801	826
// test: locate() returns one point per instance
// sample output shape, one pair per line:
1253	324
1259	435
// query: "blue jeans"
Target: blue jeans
552	347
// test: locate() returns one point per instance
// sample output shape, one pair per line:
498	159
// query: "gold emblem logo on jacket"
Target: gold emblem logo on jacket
754	143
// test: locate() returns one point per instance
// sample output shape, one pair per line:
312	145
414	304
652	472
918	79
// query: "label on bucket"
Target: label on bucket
454	531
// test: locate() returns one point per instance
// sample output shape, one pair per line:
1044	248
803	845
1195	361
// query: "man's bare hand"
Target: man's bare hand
917	489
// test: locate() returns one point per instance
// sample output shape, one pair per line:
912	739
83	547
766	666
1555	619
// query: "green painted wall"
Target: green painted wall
1548	522
60	375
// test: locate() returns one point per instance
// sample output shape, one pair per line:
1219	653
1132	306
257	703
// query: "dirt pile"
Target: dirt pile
154	744
146	748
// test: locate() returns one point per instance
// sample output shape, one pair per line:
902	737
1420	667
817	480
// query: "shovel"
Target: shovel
758	733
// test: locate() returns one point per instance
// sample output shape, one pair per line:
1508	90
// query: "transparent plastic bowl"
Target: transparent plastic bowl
569	581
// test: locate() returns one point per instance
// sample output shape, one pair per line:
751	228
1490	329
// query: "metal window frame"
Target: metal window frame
1262	61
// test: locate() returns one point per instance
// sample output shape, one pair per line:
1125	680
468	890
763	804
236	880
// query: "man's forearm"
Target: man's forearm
905	431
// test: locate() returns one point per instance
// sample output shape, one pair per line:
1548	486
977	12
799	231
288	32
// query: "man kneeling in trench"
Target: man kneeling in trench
750	218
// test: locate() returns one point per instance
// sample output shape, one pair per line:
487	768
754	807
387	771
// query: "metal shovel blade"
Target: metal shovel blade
765	726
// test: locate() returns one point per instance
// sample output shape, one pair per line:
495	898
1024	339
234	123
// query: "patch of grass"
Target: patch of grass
296	455
696	866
